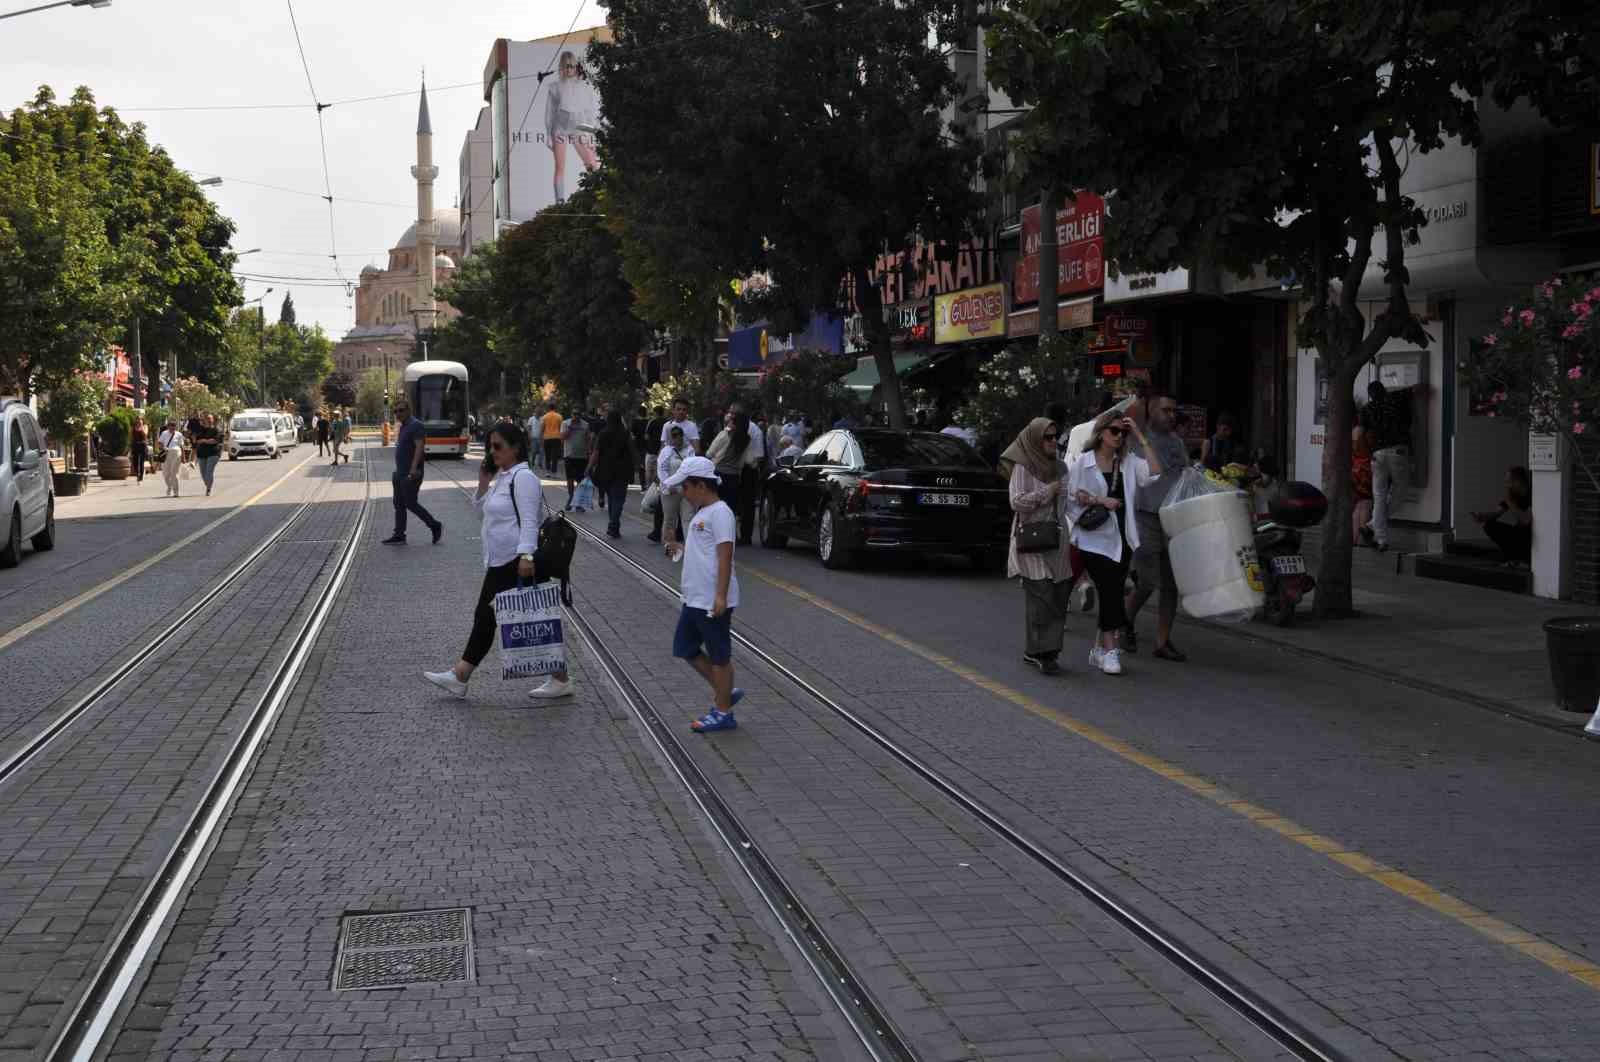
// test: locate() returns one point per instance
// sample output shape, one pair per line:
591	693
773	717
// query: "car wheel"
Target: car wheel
833	553
46	539
274	455
771	538
11	553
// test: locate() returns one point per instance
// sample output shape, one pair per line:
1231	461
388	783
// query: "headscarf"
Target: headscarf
1031	451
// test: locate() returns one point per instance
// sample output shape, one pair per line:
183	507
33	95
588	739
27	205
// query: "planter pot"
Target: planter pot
1574	646
115	467
71	484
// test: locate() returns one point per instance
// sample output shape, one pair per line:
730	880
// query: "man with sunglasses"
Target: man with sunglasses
1164	449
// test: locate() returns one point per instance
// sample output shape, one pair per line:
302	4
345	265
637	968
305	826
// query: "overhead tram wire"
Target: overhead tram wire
322	139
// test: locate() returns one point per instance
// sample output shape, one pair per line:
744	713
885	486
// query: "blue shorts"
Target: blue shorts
700	635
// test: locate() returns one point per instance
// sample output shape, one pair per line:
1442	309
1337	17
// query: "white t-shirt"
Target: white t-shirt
691	431
708	528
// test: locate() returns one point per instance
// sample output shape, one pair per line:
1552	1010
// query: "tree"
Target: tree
809	382
370	396
833	150
1015	385
339	389
160	253
1286	152
297	359
286	315
74	404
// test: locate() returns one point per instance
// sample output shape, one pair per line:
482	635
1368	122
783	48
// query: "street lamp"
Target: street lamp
209	182
58	3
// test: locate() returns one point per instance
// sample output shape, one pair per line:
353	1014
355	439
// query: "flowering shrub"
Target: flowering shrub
1541	367
1016	384
808	381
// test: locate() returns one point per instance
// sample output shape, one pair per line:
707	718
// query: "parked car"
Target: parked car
27	493
872	490
253	431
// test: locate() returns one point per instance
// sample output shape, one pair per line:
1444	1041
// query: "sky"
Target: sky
143	56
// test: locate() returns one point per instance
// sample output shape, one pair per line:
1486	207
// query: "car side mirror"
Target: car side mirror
787	462
29	460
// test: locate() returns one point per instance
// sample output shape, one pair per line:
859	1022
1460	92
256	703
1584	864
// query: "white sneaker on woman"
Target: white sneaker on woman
447	681
552	689
1097	657
1111	662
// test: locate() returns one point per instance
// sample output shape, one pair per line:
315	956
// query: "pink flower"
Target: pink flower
1572	331
1491	339
1498	396
1582	309
1579	428
1575	373
1527	318
1505	318
1594	293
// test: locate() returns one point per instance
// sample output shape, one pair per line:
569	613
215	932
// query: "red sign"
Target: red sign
1127	326
1081	255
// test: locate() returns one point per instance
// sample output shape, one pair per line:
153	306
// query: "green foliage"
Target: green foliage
297	359
97	226
286	315
115	435
339	389
802	143
1542	366
369	396
191	398
73	406
809	382
1018	383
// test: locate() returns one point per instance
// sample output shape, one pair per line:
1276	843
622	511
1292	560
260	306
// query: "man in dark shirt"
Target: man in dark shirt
1386	422
408	455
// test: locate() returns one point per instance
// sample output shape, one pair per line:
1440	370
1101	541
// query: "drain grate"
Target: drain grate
404	948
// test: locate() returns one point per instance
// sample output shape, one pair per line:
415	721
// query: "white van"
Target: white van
288	434
254	432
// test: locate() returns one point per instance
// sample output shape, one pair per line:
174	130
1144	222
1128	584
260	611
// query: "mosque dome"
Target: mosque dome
370	268
448	219
443	261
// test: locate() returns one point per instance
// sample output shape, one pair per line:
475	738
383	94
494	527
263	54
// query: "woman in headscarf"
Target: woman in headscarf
1046	573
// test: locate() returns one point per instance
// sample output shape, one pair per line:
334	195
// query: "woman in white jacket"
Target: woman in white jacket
1106	477
171	440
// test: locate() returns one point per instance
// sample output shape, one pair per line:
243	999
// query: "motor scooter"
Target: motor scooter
1278	543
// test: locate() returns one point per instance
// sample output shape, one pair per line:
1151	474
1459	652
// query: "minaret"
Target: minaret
427	230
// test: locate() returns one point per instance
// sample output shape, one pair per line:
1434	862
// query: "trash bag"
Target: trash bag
651	501
1211	544
530	637
583	500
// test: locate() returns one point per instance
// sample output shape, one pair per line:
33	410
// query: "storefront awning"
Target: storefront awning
865	377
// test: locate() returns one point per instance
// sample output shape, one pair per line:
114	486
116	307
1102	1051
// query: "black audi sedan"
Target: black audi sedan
873	490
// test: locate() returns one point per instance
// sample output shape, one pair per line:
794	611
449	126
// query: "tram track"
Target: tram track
92	1012
1285	1030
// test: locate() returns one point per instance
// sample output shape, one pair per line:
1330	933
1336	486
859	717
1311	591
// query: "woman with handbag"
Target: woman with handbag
1039	553
171	442
727	452
1101	484
512	505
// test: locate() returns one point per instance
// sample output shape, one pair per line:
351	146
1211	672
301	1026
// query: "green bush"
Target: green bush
115	433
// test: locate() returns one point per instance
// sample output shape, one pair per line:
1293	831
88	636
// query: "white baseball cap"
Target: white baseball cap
697	467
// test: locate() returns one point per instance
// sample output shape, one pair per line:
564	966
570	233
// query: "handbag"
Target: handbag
651	502
1039	536
583	499
1095	516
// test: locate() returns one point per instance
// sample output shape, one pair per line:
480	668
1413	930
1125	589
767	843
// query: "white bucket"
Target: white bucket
1211	543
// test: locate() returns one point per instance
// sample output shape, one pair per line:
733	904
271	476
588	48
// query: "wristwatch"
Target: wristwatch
527	557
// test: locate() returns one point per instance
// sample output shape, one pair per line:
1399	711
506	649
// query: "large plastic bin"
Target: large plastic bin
1211	543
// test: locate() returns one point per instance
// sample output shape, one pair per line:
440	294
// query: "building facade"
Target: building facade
476	164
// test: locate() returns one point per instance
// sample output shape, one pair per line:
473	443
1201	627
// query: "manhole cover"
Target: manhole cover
404	948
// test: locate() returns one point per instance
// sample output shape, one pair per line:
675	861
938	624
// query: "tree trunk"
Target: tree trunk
870	302
1049	261
152	379
1335	590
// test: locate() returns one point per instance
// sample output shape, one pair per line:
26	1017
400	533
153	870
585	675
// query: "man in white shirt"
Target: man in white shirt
710	590
680	419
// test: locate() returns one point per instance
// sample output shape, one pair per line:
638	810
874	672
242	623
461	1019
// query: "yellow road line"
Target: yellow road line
1396	881
110	584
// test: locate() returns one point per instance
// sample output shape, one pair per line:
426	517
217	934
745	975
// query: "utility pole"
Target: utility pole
1049	260
137	357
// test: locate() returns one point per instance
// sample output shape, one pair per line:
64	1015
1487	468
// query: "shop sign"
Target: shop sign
930	269
1128	326
1131	286
1076	314
1080	260
977	313
910	324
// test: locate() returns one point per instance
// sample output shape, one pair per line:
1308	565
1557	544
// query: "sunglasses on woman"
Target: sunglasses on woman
1115	431
496	444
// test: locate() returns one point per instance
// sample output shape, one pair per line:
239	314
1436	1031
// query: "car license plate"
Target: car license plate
1289	565
944	499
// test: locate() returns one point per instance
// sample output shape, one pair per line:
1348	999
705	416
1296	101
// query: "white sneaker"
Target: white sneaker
447	681
1111	662
552	689
1097	657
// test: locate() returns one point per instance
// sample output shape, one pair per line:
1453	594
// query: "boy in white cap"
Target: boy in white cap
709	588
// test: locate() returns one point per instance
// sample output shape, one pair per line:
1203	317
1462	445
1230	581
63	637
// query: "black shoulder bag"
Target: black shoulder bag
1095	516
558	541
1039	536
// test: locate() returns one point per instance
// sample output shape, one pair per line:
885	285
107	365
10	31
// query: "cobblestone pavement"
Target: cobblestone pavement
1344	755
57	663
606	924
83	826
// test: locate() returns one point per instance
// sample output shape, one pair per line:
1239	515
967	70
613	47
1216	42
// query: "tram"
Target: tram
437	391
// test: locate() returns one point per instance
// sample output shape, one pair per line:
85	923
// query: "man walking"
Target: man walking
1386	421
550	434
574	439
710	591
680	419
408	455
1164	450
